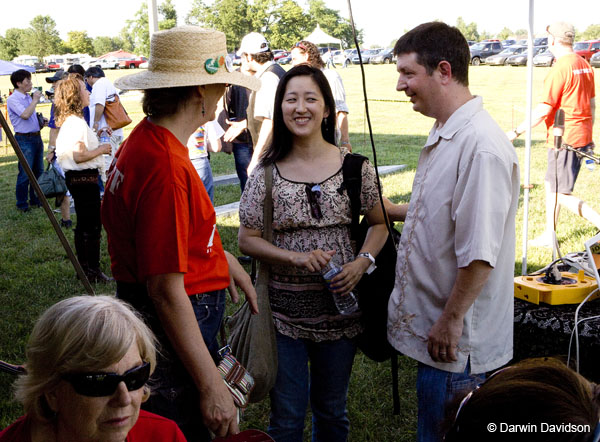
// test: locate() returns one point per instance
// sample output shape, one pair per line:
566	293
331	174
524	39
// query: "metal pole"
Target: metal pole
152	17
526	185
33	182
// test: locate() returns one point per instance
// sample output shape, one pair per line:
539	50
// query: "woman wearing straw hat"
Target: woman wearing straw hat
167	256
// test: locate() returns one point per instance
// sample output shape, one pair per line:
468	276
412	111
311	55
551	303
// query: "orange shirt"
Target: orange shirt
570	86
158	216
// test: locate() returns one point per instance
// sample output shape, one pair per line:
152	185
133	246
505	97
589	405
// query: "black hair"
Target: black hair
434	42
19	76
94	72
281	143
78	69
166	101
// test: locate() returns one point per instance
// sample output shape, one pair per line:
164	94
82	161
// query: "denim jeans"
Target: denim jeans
326	385
242	153
174	394
202	166
33	149
435	388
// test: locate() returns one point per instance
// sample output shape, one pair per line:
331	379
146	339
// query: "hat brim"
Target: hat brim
160	79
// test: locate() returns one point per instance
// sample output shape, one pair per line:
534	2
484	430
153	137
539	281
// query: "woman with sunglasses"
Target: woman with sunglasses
311	226
88	361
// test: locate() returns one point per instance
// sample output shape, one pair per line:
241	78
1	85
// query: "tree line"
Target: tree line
283	22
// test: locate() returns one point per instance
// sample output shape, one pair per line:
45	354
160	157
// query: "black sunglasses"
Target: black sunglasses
313	192
105	384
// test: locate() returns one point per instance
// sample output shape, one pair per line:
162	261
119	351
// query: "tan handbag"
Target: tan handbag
252	337
115	114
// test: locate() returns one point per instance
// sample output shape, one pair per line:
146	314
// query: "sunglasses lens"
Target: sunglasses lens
105	384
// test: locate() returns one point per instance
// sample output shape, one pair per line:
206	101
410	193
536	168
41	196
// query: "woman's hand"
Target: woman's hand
312	261
350	275
105	149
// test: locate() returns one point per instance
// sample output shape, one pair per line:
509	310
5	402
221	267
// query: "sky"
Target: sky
383	21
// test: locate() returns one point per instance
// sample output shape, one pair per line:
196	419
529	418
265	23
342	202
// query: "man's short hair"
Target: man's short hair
434	42
78	69
19	76
263	57
94	72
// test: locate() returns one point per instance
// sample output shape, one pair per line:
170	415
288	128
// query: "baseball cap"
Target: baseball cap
561	29
253	43
58	75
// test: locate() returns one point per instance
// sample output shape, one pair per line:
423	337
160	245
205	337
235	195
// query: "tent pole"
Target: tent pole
527	165
33	182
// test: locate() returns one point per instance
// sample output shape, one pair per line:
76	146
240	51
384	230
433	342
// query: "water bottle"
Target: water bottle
346	304
590	164
104	138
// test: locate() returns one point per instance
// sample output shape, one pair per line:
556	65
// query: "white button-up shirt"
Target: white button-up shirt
462	208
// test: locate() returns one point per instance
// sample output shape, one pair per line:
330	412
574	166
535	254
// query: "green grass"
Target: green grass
35	273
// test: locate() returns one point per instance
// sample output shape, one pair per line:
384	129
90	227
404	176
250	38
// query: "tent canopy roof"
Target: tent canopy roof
8	67
319	37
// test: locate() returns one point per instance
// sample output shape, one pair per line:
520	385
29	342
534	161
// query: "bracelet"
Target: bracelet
344	143
51	148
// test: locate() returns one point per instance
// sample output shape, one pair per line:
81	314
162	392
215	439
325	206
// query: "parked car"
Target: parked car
144	65
587	48
521	59
482	50
284	60
385	56
595	60
52	67
340	58
500	59
508	42
279	53
103	63
40	67
545	58
365	55
540	41
131	63
471	42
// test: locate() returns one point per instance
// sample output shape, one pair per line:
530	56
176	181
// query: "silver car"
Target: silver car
500	59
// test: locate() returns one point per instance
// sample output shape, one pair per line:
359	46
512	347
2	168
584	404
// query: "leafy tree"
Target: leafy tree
521	34
12	44
102	45
331	22
228	16
288	26
43	38
504	33
167	10
125	41
592	32
468	30
79	42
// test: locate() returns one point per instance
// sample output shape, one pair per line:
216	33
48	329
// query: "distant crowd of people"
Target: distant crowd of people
89	358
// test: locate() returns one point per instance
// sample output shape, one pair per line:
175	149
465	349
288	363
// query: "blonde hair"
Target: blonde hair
67	99
83	333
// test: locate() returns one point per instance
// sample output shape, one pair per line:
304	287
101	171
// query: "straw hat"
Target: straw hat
186	56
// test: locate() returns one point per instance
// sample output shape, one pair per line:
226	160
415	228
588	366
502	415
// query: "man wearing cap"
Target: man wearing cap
21	111
257	58
568	86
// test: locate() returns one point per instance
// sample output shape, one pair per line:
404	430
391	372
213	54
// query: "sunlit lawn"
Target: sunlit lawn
34	270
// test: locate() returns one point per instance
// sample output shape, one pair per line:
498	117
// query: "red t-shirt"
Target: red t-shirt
148	428
158	216
570	86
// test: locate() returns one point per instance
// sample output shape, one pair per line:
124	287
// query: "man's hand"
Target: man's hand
218	410
239	277
235	129
443	339
36	95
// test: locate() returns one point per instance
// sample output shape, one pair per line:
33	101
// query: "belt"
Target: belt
29	134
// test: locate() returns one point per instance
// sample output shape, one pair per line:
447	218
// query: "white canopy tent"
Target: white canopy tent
319	37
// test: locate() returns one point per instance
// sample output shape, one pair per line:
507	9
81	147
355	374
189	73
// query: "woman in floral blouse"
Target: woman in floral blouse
311	226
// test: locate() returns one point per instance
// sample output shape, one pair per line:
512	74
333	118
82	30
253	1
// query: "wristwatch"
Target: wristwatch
370	258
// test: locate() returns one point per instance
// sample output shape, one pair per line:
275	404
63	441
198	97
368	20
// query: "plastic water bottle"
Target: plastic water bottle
346	304
104	138
590	164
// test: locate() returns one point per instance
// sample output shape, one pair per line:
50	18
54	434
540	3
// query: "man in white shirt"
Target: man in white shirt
257	59
102	91
452	305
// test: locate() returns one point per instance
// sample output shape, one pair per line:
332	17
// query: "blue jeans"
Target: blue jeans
202	166
435	388
33	149
242	153
326	386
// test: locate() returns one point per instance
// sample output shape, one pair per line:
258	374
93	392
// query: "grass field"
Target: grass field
35	273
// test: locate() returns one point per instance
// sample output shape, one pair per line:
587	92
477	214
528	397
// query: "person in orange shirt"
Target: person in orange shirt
569	86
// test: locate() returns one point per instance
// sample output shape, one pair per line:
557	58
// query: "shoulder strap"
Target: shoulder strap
276	69
268	205
352	175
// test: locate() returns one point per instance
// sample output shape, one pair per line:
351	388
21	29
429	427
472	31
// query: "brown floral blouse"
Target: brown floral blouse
301	304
